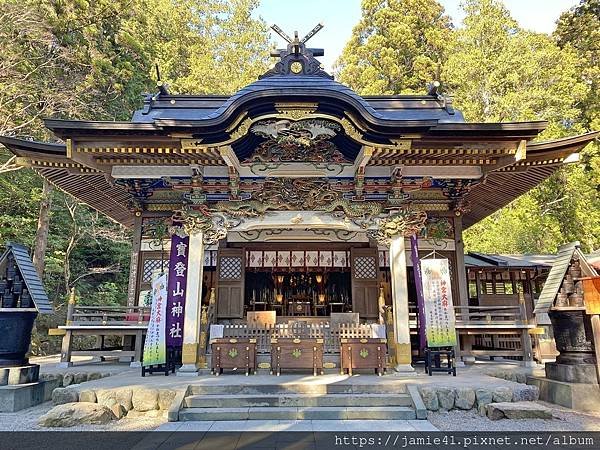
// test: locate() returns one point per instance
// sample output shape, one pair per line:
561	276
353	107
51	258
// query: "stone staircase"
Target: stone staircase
301	402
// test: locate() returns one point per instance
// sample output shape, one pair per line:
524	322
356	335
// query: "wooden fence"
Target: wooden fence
331	334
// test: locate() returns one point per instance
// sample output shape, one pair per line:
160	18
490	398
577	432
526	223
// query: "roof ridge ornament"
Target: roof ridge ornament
297	59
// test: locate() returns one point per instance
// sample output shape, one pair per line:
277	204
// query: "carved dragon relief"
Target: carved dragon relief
307	140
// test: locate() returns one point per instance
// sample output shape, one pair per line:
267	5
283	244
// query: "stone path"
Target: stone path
300	425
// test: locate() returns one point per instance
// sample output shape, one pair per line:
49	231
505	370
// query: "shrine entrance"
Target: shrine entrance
298	279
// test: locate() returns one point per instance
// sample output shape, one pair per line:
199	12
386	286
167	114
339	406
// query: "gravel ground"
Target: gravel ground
26	420
564	420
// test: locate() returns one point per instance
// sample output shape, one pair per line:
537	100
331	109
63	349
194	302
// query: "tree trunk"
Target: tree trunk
41	235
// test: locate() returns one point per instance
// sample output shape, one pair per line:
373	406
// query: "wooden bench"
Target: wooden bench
102	321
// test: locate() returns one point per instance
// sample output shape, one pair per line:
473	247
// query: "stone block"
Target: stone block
521	378
525	394
430	399
581	397
118	410
446	398
165	398
70	414
465	398
572	373
502	394
68	379
483	396
144	399
119	395
17	397
52	377
87	396
517	410
94	376
80	377
64	395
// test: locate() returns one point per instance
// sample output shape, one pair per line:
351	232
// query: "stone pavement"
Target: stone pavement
300	425
473	376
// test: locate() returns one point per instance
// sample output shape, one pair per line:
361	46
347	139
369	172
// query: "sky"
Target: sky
340	16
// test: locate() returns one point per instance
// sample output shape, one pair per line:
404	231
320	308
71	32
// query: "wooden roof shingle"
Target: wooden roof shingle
30	276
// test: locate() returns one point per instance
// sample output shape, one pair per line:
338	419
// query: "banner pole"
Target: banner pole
416	262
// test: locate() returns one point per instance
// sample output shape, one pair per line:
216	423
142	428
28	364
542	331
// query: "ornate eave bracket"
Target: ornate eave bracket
405	222
213	225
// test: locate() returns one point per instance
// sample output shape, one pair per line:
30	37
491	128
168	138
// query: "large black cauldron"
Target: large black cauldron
15	336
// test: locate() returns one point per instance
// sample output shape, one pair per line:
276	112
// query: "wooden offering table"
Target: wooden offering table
364	353
233	354
290	353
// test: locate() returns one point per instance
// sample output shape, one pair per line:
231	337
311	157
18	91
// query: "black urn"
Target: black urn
15	336
573	335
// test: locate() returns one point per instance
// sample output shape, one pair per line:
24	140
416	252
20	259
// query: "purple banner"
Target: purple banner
178	262
416	262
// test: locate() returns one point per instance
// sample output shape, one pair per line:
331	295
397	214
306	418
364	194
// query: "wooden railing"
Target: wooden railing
330	334
486	315
108	315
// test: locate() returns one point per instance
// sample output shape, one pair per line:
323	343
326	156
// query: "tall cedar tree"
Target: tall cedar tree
93	60
499	72
397	47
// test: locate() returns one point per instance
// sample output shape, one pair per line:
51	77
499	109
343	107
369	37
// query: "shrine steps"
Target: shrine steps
292	413
298	402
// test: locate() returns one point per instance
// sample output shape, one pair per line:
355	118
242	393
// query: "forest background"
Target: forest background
85	59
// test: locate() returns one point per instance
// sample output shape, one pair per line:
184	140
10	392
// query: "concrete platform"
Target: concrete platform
16	397
581	397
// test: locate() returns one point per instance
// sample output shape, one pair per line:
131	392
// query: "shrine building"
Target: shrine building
299	197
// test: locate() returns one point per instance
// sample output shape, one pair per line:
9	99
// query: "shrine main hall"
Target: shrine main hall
298	198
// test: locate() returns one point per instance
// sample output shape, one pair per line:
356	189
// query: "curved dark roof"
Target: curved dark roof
378	110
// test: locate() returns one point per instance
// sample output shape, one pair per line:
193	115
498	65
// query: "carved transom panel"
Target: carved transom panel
231	267
365	267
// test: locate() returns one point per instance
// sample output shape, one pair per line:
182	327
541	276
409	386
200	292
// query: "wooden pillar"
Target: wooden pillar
67	342
129	342
134	263
400	304
595	321
526	344
193	306
463	288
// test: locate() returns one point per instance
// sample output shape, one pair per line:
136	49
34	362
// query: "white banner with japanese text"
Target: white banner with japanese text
155	351
439	310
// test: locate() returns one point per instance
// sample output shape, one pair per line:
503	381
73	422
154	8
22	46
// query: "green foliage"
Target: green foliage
499	72
521	227
397	47
579	28
84	59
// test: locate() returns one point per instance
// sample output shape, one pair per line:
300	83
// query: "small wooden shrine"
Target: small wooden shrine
299	196
22	297
568	307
